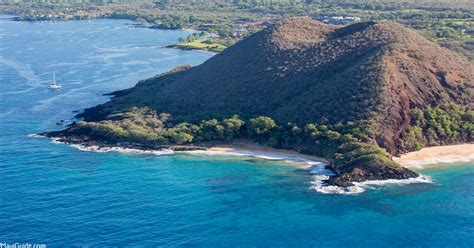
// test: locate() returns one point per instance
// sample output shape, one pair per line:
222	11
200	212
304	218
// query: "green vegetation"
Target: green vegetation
343	143
192	37
348	145
202	44
437	126
448	22
142	125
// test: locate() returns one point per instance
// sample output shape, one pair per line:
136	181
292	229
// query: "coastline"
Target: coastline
436	156
429	157
318	168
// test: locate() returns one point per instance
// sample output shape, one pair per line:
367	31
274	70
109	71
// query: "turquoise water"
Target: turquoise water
60	196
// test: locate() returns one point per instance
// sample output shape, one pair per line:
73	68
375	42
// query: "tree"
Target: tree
180	137
232	126
312	131
261	125
332	135
417	117
211	130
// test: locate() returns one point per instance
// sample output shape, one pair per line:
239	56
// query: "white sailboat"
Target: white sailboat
54	85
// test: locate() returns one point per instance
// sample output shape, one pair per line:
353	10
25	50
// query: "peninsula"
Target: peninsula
354	95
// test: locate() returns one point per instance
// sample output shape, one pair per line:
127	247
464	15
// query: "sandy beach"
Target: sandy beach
436	156
258	151
426	157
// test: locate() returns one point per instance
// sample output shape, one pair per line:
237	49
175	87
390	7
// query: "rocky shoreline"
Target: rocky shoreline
69	138
342	179
347	179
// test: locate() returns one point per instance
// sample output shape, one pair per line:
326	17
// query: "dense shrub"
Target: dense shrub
439	125
346	144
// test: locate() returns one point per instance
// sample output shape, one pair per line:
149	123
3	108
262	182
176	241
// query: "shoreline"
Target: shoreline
243	148
436	156
318	168
429	157
183	48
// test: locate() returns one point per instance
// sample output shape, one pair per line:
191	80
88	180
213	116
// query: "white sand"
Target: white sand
254	150
438	155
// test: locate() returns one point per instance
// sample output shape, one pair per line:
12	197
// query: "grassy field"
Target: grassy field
203	44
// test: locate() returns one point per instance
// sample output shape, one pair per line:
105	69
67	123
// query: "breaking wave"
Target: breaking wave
318	170
318	184
105	149
276	156
33	135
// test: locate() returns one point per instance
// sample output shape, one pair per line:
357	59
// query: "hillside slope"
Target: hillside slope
304	71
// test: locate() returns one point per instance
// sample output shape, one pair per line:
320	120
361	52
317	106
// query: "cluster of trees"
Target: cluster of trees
351	154
347	144
194	36
437	126
169	22
142	125
344	143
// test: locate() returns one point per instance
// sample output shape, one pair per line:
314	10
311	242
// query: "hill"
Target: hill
304	71
339	92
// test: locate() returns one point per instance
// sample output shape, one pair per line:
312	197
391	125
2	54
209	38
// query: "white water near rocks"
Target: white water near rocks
317	169
360	187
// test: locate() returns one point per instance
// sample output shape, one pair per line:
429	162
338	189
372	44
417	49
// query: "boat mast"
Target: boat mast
54	77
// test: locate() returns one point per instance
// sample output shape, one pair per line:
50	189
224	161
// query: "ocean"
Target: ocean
57	195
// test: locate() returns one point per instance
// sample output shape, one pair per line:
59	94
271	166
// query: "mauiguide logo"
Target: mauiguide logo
21	245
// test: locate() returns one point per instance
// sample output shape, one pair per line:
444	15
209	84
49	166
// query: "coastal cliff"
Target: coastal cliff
355	95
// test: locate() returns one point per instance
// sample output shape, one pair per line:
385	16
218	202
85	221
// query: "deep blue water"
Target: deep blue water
60	196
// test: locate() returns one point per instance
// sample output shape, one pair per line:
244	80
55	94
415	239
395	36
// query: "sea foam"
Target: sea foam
276	156
359	187
34	135
104	149
319	171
